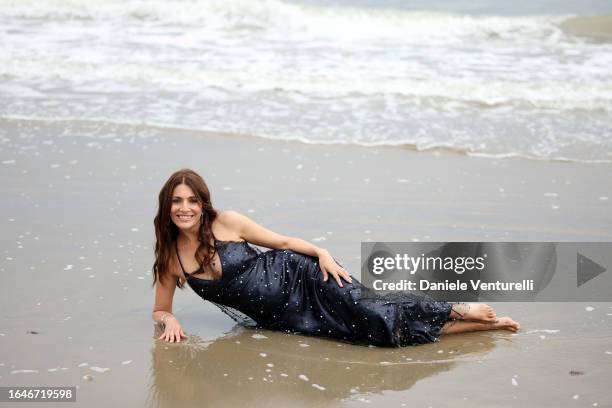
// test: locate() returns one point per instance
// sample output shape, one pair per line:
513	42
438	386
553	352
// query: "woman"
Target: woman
287	288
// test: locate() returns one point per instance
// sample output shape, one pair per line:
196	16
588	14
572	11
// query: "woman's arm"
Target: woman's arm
254	233
162	311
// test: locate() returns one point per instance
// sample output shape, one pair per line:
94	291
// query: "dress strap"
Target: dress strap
179	259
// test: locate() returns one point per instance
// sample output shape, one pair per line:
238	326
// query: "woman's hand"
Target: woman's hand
173	331
330	267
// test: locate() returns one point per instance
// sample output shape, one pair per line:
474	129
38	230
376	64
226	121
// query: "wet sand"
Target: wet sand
79	199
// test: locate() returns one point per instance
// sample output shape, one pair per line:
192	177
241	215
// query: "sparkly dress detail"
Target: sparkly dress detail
284	290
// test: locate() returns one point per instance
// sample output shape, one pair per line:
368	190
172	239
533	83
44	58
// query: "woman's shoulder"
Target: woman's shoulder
173	266
230	219
228	215
229	225
172	272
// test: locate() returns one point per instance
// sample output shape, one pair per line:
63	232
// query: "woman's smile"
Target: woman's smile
186	208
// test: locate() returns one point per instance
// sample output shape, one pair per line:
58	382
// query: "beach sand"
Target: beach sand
78	204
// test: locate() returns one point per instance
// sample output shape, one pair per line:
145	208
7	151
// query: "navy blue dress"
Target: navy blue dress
284	290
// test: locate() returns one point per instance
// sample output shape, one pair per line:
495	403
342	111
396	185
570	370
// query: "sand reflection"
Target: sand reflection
247	367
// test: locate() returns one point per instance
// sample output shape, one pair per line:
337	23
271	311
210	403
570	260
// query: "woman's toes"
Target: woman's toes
507	323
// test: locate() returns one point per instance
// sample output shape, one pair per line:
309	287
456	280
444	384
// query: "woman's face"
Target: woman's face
186	209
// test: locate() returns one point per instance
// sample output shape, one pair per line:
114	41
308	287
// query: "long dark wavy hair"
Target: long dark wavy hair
166	232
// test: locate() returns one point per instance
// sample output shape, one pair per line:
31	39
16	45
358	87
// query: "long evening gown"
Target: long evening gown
284	290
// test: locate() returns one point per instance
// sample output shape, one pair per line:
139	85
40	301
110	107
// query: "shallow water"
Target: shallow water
518	79
78	204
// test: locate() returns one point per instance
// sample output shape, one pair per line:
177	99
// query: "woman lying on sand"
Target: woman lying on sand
287	288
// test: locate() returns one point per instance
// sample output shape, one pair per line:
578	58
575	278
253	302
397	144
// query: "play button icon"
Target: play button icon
586	269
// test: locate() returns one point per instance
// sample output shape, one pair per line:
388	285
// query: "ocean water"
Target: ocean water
528	79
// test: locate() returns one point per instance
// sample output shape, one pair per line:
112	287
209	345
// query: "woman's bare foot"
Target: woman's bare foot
506	323
474	312
460	326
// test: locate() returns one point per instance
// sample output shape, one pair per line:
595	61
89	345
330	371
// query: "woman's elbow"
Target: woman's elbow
285	243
